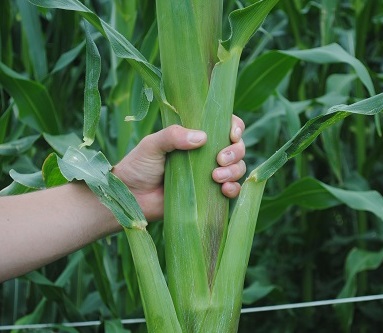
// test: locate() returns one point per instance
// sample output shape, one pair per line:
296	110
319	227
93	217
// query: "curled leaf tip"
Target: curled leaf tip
140	225
87	142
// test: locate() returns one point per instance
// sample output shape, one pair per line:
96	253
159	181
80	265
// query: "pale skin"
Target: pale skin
40	227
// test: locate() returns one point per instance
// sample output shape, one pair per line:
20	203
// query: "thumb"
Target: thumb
172	138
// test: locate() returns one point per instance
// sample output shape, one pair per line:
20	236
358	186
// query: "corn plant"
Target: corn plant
207	249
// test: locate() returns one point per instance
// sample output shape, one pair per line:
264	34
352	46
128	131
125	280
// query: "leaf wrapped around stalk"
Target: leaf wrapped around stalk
94	169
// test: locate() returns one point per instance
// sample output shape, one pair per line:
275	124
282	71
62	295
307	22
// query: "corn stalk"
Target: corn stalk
206	256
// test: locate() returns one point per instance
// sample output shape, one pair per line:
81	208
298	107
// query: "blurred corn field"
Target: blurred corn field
320	227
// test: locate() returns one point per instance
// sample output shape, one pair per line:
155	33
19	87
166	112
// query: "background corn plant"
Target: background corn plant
317	235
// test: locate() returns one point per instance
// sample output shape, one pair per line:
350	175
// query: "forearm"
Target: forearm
40	227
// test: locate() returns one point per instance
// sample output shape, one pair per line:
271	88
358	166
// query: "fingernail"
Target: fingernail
223	174
231	188
228	157
196	136
238	133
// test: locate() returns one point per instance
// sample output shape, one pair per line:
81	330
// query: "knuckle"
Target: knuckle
175	130
175	134
146	140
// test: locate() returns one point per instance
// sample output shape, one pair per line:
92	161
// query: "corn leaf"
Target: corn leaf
52	175
244	22
35	106
35	38
67	58
146	97
19	146
57	294
120	45
158	305
94	169
23	183
223	314
15	188
357	261
311	130
181	223
256	291
4	120
185	69
129	272
6	21
33	180
114	326
95	260
312	194
92	99
61	143
334	53
213	215
35	316
260	78
259	129
327	20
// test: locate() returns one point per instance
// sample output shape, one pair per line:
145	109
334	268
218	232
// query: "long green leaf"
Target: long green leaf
311	130
33	180
19	146
56	294
256	291
158	305
4	120
213	215
226	300
35	316
357	261
6	21
16	188
244	22
258	81
61	143
35	106
94	169
120	45
114	326
334	53
312	194
92	98
52	175
95	260
68	57
35	38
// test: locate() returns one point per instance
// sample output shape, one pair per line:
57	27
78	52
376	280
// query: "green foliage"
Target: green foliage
321	213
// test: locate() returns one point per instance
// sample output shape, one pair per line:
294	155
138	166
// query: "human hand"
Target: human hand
142	170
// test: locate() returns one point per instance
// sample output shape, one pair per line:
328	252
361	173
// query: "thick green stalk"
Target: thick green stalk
185	69
196	213
188	36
